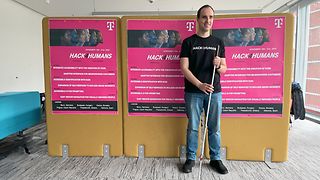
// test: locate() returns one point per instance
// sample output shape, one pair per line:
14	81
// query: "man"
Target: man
162	38
248	36
198	57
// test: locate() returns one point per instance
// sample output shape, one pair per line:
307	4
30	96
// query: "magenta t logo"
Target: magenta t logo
278	22
110	26
190	26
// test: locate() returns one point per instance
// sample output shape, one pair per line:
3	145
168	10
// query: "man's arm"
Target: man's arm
184	65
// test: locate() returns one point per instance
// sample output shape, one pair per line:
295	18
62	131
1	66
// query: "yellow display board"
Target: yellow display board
244	137
151	112
247	138
161	134
83	85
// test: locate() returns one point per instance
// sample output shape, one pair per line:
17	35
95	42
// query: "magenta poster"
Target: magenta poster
155	82
83	66
253	84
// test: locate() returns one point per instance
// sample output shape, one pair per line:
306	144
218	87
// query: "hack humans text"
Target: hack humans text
90	55
255	55
163	57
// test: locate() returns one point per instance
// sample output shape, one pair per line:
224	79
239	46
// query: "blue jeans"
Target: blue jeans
195	103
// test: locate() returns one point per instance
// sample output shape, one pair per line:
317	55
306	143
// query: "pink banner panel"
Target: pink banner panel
155	82
253	84
83	66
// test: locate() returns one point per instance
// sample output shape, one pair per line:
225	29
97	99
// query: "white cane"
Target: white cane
206	122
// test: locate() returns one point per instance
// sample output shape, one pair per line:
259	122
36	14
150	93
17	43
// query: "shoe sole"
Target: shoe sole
183	170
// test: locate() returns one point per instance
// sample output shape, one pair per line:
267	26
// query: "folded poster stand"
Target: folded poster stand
150	121
154	119
83	86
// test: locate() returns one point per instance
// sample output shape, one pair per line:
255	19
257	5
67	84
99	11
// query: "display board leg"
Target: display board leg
140	151
183	153
268	159
106	151
65	150
223	153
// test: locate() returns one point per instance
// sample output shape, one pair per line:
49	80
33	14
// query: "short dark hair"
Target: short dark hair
204	6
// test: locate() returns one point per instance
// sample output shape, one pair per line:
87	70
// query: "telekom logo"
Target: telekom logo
110	26
278	22
190	26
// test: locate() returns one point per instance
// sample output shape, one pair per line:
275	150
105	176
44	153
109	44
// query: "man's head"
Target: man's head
204	6
162	36
66	38
205	18
248	34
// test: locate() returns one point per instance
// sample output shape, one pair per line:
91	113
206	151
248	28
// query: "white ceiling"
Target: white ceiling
148	7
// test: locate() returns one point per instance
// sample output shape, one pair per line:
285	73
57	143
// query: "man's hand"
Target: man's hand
217	61
206	88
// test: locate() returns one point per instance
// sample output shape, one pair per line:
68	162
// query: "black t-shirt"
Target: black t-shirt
201	52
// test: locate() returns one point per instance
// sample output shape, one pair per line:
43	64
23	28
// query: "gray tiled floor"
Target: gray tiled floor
303	162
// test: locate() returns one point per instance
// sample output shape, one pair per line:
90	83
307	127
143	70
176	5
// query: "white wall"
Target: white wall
21	60
134	7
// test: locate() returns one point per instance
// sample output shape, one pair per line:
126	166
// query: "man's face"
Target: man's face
82	36
163	37
249	35
67	36
99	37
252	33
230	36
87	35
205	20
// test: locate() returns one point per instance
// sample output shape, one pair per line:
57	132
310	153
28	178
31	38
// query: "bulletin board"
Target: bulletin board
82	63
254	118
257	86
154	114
149	109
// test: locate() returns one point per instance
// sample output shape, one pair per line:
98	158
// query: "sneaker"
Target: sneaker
218	166
187	167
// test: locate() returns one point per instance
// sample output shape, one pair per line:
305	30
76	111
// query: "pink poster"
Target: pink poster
253	84
83	66
155	82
